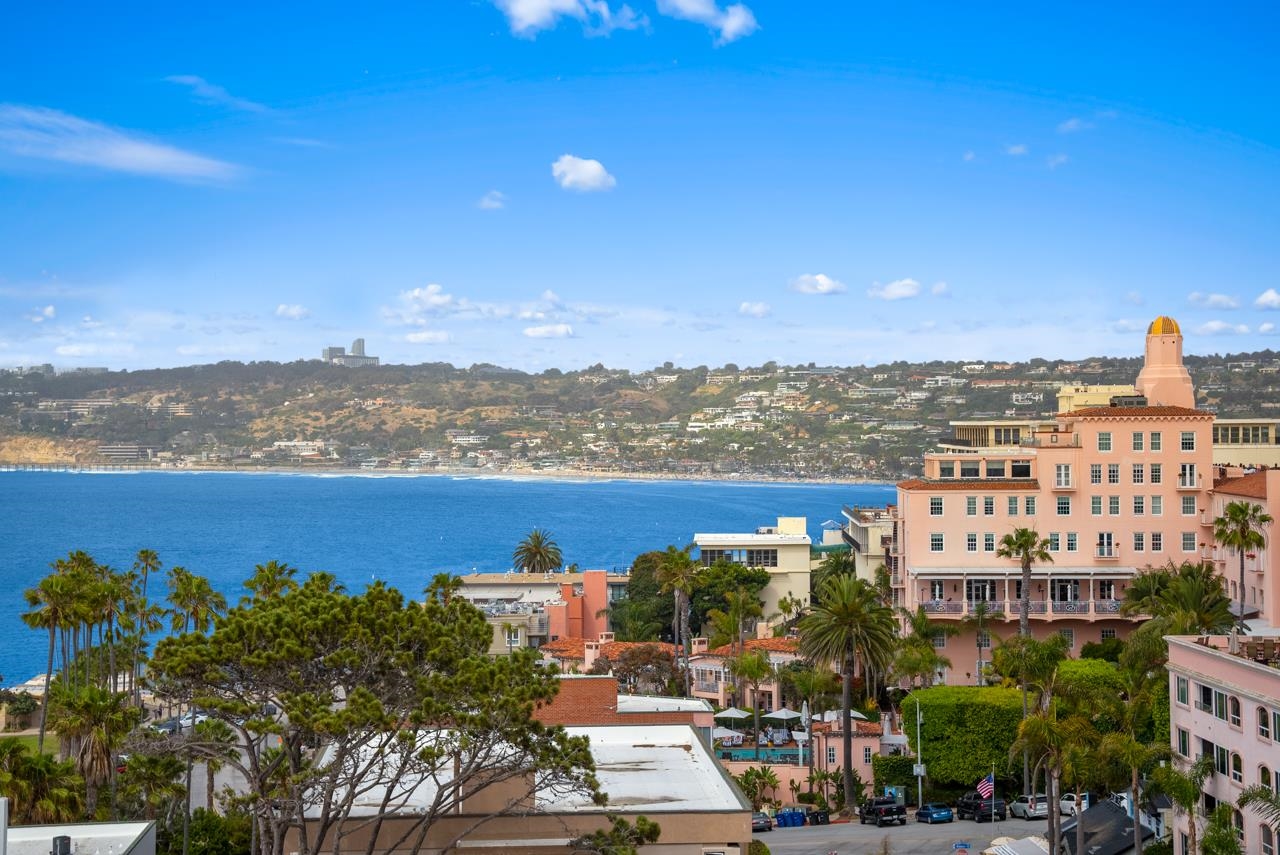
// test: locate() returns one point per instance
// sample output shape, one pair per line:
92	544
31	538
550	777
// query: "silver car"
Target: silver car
1030	807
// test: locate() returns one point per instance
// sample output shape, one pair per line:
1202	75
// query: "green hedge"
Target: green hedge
966	730
894	770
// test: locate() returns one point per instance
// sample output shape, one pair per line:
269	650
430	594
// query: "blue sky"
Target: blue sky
555	183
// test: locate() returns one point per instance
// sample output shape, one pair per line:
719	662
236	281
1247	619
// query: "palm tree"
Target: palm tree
752	668
95	720
1241	528
980	615
214	741
917	657
1185	600
537	553
1265	801
677	572
848	622
271	580
53	603
834	564
155	779
1185	787
55	791
1025	545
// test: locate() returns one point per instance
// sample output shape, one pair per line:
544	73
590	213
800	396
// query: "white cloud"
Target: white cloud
427	337
817	283
1268	299
46	134
552	298
292	312
527	17
968	157
1016	150
1128	326
549	331
210	93
1053	161
42	314
494	200
1135	298
581	174
1267	328
754	310
899	289
940	289
730	23
1070	126
431	300
1213	301
1221	328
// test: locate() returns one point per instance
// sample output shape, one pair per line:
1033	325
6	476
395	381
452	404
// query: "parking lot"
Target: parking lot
914	838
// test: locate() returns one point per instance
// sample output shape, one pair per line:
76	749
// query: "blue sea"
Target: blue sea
402	530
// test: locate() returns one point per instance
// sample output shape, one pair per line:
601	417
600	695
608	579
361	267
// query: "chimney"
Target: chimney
590	653
698	647
606	637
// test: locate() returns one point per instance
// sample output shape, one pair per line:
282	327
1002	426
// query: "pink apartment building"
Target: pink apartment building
1225	702
1114	489
1261	572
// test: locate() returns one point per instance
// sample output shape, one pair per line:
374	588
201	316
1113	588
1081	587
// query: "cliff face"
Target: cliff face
41	451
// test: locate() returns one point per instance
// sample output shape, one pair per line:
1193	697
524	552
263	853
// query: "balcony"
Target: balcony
1189	482
1107	553
703	686
1106	607
1070	607
895	579
937	608
1064	486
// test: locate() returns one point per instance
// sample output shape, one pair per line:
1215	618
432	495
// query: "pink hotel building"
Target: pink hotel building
1113	488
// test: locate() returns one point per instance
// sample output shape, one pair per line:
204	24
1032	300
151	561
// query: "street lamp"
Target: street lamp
918	767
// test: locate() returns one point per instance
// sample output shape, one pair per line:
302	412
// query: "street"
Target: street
914	838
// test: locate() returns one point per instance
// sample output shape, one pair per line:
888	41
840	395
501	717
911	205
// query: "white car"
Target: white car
1068	807
1030	807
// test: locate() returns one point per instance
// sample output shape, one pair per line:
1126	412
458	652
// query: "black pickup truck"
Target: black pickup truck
973	806
882	811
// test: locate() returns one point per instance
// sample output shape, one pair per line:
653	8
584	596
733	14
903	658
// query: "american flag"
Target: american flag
987	787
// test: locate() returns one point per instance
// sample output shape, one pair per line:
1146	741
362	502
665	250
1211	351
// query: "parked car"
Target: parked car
761	822
1030	807
1068	807
935	812
972	805
882	811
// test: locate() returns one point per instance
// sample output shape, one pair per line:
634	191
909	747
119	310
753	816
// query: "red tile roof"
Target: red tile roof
576	648
772	645
1250	486
971	485
1109	412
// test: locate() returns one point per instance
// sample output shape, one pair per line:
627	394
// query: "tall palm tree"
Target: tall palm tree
744	608
95	720
1028	548
1184	600
1265	801
848	622
56	793
752	668
271	580
214	742
677	573
1185	787
1241	528
917	656
834	564
146	563
53	603
156	779
979	618
538	553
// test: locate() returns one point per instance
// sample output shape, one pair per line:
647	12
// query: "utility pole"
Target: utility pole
919	761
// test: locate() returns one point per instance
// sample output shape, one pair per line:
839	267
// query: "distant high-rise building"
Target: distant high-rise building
355	359
329	354
357	347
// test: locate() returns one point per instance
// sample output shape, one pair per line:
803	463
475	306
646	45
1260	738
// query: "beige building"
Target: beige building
783	550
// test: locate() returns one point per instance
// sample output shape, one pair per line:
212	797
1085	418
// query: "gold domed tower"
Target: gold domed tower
1164	380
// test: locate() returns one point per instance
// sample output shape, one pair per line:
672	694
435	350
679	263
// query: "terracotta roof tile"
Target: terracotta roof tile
772	645
972	485
576	648
1250	486
1101	412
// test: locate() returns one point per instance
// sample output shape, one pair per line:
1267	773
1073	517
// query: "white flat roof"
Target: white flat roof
751	539
87	838
650	703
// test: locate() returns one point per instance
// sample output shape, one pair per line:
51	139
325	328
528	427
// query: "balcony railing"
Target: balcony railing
1106	552
1106	607
1071	607
1189	482
943	608
704	686
895	579
1064	485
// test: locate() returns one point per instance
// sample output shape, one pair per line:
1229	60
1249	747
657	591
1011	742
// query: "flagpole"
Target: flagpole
993	793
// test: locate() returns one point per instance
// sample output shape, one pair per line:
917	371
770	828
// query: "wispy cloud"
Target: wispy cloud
45	134
1268	299
581	174
1016	149
598	18
1073	125
940	289
1213	301
1053	161
1221	328
817	283
899	289
754	310
969	157
211	93
292	312
1134	298
1267	328
733	22
427	337
42	314
549	331
494	200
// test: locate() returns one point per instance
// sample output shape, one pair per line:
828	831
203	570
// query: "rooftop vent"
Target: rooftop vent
1128	401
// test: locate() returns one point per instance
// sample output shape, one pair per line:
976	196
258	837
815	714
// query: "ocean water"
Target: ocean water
402	530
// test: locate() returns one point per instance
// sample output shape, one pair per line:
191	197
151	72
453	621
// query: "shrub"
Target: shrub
966	730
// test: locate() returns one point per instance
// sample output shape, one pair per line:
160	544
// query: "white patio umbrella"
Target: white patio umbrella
783	714
733	712
834	715
724	733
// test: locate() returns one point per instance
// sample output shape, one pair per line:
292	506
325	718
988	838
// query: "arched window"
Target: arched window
1237	768
1233	705
1237	824
1264	723
1264	777
1268	840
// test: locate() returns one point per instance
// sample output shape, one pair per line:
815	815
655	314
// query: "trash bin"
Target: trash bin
784	819
820	817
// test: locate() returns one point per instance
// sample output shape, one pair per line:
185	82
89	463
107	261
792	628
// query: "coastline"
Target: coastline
580	475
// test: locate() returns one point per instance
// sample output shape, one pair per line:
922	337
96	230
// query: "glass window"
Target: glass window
1137	440
935	541
1188	541
947	469
1139	505
1095	505
1268	840
939	640
971	506
1113	473
1233	711
988	506
1264	723
831	755
988	542
1013	506
1188	440
1070	636
970	469
1104	440
1184	743
1020	469
1107	591
1157	542
1064	506
1029	506
866	754
984	640
1072	541
1237	768
1181	690
1054	541
1155	440
936	588
1264	776
1113	505
1157	505
1095	473
1108	633
995	468
1062	475
1139	473
971	542
1156	471
1188	506
1139	541
935	506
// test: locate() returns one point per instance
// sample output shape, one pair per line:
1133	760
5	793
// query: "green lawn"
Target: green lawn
50	742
